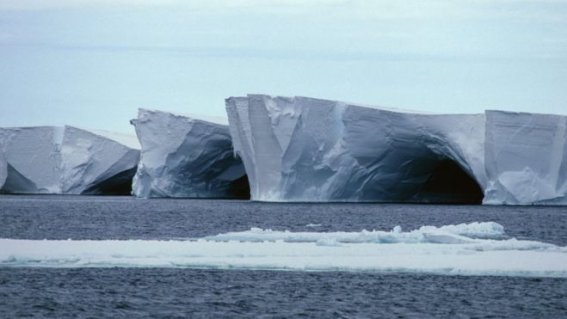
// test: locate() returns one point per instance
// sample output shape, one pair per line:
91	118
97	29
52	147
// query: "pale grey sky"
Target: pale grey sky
93	63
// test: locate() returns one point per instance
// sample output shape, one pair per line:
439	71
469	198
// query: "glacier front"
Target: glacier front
306	149
64	160
186	157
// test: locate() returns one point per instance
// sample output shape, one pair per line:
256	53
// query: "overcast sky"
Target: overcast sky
93	63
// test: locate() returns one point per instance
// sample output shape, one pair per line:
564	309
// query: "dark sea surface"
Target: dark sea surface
203	293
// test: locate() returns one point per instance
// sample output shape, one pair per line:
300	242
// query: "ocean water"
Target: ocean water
202	292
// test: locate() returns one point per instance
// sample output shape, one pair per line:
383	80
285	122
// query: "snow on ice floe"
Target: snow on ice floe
186	157
306	149
465	249
425	234
63	160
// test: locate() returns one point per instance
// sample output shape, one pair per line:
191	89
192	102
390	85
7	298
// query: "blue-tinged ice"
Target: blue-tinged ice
65	160
306	149
185	156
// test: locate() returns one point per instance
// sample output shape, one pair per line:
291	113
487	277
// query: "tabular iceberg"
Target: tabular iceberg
64	160
305	149
186	157
526	158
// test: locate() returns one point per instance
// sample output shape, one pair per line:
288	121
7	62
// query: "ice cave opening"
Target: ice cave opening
450	183
240	188
119	184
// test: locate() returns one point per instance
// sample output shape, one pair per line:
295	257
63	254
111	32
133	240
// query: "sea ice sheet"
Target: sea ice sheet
465	249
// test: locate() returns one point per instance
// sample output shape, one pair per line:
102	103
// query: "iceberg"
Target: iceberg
307	149
3	168
526	158
186	157
64	160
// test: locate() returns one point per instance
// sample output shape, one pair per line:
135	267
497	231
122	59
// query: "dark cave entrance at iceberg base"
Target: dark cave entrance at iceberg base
240	188
449	183
117	185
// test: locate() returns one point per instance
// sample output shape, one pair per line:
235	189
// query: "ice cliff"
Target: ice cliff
64	160
306	149
526	158
186	157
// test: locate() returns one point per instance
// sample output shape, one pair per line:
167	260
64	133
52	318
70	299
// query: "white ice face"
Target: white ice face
185	157
64	160
526	158
305	149
3	169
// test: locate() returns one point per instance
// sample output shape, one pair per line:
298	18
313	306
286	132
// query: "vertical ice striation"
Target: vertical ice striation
526	158
64	160
186	157
305	149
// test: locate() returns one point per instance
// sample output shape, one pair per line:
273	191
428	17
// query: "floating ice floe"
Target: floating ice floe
465	249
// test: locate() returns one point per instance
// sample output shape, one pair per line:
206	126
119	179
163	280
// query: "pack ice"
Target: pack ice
186	157
306	149
64	160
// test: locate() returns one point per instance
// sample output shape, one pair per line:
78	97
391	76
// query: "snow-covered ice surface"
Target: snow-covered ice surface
185	157
306	149
464	249
63	160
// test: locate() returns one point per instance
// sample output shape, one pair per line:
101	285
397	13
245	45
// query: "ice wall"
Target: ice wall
3	162
64	160
305	149
3	169
526	158
186	157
